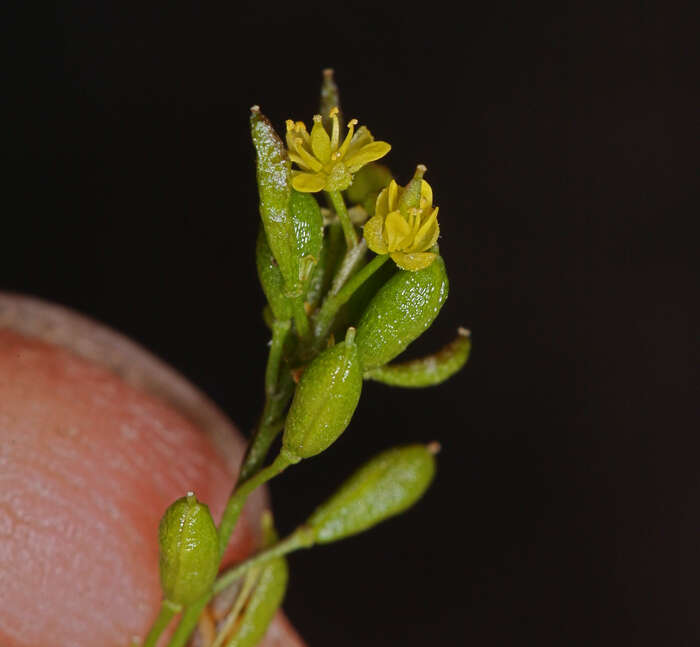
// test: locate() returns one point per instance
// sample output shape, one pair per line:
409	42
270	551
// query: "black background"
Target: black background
561	146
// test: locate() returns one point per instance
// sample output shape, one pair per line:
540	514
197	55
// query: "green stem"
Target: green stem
167	610
348	265
233	615
240	494
270	424
301	319
302	537
345	222
188	622
280	329
333	303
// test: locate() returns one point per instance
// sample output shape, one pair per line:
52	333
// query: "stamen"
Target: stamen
335	136
351	131
290	125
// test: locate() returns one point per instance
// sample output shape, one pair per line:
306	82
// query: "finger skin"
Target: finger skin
88	464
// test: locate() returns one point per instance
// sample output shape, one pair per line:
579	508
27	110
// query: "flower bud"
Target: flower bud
330	98
325	399
385	486
189	550
403	308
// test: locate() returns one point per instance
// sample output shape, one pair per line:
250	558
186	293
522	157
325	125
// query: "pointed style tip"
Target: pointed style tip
421	170
255	109
328	73
434	448
350	336
464	332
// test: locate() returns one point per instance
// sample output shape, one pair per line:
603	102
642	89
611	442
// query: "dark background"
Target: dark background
561	145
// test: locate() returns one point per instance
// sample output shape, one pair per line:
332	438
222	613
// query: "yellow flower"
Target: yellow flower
405	224
325	162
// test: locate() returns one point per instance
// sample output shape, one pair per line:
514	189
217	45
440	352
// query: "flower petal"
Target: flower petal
320	141
309	160
308	182
361	138
298	161
373	235
365	155
396	230
426	195
413	262
393	196
427	235
381	207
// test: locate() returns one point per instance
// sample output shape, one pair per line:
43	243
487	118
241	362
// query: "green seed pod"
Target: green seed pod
308	232
325	400
403	308
351	313
308	235
426	371
262	605
271	279
266	597
275	186
189	550
383	487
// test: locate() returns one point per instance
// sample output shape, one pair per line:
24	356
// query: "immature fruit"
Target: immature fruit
426	371
403	308
189	550
325	399
271	279
262	605
274	187
308	231
385	486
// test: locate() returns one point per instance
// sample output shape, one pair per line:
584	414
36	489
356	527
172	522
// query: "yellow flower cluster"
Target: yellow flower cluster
325	162
405	226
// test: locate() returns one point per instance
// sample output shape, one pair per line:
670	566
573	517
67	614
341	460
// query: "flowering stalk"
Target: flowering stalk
320	285
341	211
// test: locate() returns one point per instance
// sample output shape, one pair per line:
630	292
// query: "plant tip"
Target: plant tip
434	447
464	332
